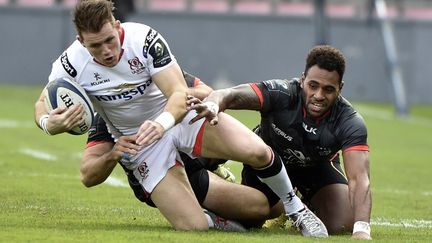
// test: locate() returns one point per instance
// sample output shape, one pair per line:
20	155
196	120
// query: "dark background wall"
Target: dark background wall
226	49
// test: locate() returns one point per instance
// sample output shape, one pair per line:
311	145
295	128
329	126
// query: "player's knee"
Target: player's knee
259	156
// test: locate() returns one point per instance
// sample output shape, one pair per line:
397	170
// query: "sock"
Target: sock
276	177
209	221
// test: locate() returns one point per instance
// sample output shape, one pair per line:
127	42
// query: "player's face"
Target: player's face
104	45
321	89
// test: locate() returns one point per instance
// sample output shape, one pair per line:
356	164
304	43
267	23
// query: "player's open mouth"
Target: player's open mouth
317	107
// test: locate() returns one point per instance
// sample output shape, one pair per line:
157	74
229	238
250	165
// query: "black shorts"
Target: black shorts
307	180
197	175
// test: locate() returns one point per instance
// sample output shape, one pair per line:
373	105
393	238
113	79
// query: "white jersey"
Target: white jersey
124	95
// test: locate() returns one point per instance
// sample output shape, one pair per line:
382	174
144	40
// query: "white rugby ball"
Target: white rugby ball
64	92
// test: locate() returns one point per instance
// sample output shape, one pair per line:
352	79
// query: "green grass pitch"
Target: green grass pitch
43	200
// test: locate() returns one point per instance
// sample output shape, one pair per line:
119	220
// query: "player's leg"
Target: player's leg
232	140
332	205
325	189
174	198
199	180
235	201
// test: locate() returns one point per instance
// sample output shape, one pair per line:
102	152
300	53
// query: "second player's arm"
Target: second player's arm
238	97
97	163
357	169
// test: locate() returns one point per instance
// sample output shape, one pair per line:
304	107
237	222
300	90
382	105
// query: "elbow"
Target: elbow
87	180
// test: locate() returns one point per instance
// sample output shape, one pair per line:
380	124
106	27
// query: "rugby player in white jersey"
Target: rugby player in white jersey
138	88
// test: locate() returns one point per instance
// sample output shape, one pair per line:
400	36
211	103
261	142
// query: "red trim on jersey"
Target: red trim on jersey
196	81
304	113
93	143
357	148
178	163
318	119
198	142
121	35
121	42
258	92
334	156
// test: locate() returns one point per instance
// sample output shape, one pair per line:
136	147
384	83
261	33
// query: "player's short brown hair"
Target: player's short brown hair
326	57
92	15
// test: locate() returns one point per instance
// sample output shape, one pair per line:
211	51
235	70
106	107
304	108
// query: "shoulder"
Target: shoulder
347	116
71	61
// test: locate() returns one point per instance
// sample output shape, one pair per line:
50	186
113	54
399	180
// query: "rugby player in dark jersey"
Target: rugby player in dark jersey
227	200
307	122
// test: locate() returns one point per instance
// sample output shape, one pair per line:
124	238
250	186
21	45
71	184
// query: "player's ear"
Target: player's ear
80	40
302	79
341	85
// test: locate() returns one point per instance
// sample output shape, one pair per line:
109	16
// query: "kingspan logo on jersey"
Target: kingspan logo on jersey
279	132
126	95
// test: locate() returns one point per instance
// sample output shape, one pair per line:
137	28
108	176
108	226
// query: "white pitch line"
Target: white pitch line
404	223
38	154
112	181
404	192
389	116
9	123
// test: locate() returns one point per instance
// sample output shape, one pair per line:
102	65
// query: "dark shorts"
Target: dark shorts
308	181
198	178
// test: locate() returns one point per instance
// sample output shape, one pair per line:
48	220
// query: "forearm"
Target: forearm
39	110
176	105
361	199
239	97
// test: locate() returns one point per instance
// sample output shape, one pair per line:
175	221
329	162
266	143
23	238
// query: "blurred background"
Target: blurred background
227	42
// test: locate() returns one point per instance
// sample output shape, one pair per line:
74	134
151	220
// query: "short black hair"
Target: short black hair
326	57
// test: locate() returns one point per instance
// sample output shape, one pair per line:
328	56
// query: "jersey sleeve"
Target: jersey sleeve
191	80
157	52
98	132
62	68
275	94
354	134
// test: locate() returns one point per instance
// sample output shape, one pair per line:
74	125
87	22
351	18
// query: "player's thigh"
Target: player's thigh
235	201
230	139
332	206
174	198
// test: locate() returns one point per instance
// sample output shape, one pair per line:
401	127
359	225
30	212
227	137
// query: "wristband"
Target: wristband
361	226
166	119
43	123
212	106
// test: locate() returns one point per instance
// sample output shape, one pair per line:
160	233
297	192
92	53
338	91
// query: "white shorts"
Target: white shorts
152	162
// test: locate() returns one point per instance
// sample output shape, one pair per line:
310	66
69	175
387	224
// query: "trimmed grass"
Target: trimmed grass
43	200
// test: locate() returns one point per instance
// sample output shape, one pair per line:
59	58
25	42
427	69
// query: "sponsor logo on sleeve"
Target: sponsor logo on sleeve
151	35
67	65
160	54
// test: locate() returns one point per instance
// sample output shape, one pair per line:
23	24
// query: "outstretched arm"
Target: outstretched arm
99	160
357	169
238	97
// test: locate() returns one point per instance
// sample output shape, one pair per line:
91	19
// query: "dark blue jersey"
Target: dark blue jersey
300	140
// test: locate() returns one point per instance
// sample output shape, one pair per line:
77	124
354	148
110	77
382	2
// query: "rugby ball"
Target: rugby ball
64	92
